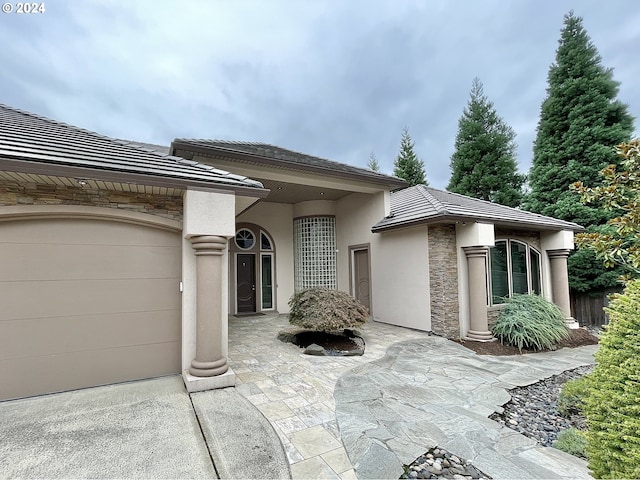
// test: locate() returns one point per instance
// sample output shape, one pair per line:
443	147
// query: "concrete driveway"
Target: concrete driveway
144	429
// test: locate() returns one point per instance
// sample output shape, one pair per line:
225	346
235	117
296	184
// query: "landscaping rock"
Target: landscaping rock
314	349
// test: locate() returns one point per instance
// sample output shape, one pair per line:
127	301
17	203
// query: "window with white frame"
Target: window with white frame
514	267
314	244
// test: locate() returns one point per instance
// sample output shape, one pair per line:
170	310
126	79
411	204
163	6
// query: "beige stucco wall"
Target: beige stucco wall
205	213
355	215
314	208
401	272
277	220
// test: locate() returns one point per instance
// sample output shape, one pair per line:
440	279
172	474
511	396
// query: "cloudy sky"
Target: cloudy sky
336	79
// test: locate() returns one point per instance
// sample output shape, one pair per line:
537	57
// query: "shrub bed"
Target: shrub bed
531	322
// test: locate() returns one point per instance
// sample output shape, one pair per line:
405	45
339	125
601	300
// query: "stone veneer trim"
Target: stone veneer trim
443	281
165	206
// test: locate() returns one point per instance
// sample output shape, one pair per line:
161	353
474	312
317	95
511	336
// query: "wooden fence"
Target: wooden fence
588	311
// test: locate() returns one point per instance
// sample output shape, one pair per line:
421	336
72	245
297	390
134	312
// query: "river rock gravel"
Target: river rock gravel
533	410
438	463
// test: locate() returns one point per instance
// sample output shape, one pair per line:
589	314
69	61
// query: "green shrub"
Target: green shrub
326	310
573	442
613	405
530	321
573	396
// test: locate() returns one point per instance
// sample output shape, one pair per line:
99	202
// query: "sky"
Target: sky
332	78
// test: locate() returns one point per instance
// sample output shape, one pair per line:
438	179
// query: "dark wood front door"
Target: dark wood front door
246	282
361	277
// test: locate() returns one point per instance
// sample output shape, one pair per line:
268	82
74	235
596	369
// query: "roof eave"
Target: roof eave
463	219
245	157
61	170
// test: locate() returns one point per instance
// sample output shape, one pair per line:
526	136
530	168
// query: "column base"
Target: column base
208	369
571	323
477	336
201	384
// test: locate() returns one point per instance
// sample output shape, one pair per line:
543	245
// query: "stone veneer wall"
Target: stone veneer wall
443	280
42	194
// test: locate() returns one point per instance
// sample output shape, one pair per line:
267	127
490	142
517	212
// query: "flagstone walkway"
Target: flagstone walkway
389	409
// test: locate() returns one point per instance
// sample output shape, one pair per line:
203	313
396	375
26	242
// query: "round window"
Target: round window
245	239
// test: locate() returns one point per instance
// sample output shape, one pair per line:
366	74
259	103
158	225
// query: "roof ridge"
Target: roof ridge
499	205
437	204
230	144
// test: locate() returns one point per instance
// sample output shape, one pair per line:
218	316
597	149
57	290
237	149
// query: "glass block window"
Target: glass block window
314	244
514	267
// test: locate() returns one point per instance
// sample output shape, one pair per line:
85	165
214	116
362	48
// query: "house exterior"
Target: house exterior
418	257
123	260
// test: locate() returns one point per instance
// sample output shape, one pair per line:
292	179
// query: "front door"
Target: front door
246	282
361	277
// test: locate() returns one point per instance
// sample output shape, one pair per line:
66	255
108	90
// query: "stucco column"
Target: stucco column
477	263
560	282
209	359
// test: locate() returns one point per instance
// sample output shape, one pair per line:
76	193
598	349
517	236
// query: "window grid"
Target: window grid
518	272
314	242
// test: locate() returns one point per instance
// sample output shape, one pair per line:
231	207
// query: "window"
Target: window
266	269
514	267
245	239
265	243
314	244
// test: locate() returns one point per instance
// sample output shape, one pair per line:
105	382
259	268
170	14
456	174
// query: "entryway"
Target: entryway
246	282
252	271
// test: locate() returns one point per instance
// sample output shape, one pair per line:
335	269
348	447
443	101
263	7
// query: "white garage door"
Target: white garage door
86	302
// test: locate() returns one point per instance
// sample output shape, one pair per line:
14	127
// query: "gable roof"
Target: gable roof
34	144
272	156
424	205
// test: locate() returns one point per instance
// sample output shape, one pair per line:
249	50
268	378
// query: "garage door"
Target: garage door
86	302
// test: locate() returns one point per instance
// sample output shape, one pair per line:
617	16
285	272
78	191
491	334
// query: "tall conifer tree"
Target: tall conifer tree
373	164
484	164
581	121
408	166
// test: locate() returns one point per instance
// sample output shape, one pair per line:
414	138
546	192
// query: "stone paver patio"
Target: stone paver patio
391	406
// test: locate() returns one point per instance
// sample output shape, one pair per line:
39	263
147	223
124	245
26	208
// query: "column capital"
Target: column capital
476	251
559	253
208	244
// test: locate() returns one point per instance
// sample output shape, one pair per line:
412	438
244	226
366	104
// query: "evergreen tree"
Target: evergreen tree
408	166
373	164
580	123
484	164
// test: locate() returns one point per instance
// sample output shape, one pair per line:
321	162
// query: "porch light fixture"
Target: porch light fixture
81	181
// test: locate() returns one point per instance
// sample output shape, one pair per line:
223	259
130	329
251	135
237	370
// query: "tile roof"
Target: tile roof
271	155
28	139
422	205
